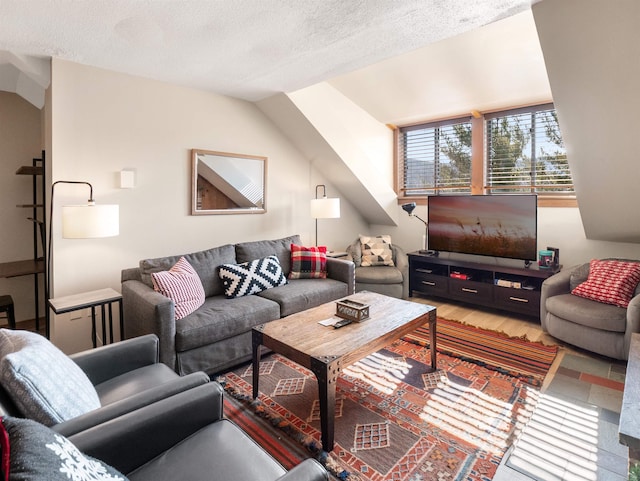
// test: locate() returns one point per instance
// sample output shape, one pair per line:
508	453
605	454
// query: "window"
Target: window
512	151
525	152
436	157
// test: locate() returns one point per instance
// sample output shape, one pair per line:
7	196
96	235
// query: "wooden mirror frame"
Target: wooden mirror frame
226	183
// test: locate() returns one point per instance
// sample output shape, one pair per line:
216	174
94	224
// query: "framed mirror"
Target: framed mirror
225	183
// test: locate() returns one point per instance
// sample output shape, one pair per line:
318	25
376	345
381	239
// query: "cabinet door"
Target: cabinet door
470	291
518	300
428	283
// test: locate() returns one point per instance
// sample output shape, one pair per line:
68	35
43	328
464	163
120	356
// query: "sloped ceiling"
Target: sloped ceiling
592	53
249	49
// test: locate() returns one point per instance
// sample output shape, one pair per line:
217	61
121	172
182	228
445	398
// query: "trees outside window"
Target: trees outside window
523	151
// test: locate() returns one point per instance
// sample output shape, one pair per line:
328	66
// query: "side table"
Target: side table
93	299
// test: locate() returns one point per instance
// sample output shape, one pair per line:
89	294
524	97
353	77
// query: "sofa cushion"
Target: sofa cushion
610	281
33	452
379	275
251	277
205	263
234	456
301	294
588	313
376	251
248	251
220	318
134	382
43	382
182	285
308	262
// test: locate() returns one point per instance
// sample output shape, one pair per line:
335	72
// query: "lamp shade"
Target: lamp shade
325	208
89	221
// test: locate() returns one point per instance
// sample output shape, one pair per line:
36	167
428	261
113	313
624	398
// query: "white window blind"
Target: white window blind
435	158
526	153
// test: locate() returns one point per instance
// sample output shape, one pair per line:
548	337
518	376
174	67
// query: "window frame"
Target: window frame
478	157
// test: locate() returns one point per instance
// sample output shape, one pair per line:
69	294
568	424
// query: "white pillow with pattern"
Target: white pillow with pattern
43	382
376	251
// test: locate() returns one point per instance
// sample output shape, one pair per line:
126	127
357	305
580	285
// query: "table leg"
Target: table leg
326	370
256	341
104	327
93	326
110	323
432	343
121	319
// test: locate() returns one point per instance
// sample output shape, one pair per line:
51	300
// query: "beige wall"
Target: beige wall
105	121
20	142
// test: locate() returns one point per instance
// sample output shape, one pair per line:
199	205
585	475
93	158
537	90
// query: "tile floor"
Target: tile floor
573	434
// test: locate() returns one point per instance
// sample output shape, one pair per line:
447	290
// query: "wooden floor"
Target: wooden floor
509	323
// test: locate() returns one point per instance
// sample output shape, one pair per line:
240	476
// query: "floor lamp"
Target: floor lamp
409	208
85	221
323	207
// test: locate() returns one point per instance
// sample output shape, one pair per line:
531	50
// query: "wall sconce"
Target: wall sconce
127	179
324	208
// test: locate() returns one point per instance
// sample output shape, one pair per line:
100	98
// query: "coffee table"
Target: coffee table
326	351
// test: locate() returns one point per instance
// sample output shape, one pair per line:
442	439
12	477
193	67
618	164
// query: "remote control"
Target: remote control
341	323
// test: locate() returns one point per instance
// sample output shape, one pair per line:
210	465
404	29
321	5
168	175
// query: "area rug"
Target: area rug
396	419
516	356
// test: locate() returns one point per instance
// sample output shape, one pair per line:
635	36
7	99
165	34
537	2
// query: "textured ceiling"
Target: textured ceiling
249	49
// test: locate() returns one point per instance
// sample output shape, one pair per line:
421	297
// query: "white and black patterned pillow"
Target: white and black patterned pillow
31	451
251	277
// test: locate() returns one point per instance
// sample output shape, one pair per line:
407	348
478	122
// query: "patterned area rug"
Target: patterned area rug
395	418
516	356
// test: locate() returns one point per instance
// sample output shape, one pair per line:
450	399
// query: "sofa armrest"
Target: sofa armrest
342	270
106	362
633	322
402	264
308	470
149	312
553	286
130	404
133	439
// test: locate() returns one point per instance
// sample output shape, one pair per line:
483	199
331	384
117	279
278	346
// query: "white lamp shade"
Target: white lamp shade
325	208
89	221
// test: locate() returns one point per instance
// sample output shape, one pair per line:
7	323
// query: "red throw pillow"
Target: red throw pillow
610	282
308	262
181	284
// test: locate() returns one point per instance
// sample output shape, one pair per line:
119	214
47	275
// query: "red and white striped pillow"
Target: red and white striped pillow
182	285
610	282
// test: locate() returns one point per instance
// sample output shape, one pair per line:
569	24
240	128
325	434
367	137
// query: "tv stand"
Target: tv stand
514	289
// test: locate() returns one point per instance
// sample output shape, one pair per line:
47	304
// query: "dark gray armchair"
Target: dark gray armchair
126	375
186	437
601	328
387	280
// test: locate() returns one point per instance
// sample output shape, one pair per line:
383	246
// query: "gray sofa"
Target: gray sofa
126	375
601	328
184	436
218	334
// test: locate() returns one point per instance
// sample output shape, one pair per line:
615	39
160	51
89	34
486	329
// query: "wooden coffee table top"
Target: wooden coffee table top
300	337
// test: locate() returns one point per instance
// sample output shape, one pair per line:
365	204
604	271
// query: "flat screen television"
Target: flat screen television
486	225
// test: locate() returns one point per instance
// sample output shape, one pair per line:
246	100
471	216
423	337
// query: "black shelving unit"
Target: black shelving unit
514	289
36	266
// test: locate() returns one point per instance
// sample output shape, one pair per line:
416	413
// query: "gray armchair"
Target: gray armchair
387	280
126	375
187	437
601	328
